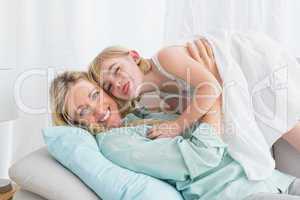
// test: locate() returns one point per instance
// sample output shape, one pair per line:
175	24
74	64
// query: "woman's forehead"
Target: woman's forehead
82	87
79	93
107	63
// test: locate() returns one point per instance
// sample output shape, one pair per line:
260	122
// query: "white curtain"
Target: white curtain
277	18
39	38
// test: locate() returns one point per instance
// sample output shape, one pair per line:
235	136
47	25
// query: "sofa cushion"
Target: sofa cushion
25	195
39	173
77	150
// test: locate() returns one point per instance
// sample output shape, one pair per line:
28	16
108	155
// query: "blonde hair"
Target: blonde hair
127	106
58	91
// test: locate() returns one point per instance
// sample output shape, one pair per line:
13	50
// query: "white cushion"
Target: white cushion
25	195
39	173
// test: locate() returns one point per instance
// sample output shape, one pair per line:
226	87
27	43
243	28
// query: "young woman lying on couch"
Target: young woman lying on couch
196	162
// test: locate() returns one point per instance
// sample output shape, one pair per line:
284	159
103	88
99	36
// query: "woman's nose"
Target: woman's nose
100	112
99	116
118	84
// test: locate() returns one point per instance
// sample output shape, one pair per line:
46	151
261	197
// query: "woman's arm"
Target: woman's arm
202	52
176	61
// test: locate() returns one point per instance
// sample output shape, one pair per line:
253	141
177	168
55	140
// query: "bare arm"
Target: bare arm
201	51
207	88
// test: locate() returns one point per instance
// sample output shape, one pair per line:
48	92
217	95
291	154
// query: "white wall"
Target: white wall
51	35
277	18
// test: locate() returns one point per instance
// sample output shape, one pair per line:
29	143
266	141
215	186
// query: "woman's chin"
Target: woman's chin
132	95
114	122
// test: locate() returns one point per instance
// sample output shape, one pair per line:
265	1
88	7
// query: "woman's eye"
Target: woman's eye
84	112
95	95
117	70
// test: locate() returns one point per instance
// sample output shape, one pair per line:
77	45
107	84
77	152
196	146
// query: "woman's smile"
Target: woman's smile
104	116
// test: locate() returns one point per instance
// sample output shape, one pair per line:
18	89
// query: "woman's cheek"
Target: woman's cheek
116	93
90	120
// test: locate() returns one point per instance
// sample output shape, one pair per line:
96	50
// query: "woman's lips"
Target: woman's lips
105	116
125	88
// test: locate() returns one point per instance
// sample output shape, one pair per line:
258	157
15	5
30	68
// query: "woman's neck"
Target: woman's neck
153	79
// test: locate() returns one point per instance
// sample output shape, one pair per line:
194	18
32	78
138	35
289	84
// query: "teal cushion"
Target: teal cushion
77	150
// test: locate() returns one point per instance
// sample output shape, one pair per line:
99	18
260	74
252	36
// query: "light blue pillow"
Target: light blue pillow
77	150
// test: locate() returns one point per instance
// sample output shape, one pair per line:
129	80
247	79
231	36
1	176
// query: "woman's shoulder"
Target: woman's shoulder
177	48
172	51
172	55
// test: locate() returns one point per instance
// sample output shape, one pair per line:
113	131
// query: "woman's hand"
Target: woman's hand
165	130
201	51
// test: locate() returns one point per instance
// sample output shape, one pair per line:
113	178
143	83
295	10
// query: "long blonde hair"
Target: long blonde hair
58	92
114	52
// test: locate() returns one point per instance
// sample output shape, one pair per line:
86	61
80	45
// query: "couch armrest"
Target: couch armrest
25	195
41	174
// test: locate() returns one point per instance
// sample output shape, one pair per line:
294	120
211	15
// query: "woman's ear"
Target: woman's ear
135	55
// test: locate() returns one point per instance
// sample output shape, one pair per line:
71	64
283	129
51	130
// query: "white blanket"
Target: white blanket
261	99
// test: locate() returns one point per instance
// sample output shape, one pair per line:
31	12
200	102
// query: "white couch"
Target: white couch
41	177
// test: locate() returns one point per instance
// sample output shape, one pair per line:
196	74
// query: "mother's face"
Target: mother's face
85	102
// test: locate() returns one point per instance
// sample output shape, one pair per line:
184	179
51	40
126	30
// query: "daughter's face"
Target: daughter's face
85	102
121	77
